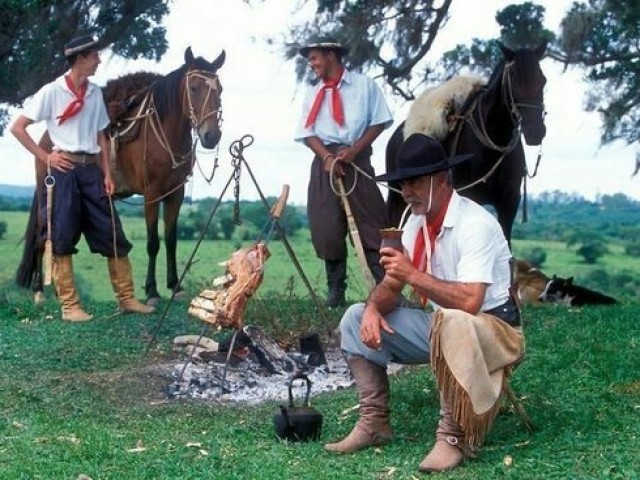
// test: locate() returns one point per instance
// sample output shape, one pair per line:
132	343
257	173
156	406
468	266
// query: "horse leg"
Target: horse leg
171	211
153	247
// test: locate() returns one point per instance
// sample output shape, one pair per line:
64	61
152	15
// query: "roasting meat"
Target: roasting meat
224	305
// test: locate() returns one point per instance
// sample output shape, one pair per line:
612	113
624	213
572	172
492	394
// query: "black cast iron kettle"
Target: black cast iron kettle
298	424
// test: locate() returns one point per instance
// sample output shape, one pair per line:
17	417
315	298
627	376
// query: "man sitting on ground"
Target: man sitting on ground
457	259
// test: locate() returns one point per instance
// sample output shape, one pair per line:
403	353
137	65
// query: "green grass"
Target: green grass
82	399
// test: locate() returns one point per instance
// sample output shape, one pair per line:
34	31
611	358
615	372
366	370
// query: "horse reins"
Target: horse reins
480	129
149	113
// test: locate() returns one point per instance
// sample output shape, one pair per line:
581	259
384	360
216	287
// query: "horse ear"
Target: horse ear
507	52
188	56
541	49
217	63
569	280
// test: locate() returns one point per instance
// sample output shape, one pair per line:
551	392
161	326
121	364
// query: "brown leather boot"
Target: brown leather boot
449	450
372	428
120	273
66	290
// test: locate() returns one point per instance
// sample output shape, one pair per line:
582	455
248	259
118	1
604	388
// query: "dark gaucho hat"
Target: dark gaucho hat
323	43
81	43
421	155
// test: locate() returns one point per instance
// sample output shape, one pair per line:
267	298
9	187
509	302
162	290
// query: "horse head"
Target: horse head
525	89
201	100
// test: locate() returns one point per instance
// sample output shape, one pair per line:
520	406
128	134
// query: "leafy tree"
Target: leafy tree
632	249
390	37
521	26
602	37
32	33
592	251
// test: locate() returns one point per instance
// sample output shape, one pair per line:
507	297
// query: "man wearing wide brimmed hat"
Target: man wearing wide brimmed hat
456	261
341	117
78	165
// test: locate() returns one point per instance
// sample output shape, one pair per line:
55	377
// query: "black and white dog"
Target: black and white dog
562	290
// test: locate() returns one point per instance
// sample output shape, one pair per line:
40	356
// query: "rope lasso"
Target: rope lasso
358	170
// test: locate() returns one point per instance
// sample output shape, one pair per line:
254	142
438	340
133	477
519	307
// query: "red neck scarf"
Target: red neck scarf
336	101
420	260
76	104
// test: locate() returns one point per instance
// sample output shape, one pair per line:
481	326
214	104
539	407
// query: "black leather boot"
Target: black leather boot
336	281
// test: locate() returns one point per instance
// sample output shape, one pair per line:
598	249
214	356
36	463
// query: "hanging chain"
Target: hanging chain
235	149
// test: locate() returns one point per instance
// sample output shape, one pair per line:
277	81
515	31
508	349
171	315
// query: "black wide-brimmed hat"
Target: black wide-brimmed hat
323	43
421	155
81	43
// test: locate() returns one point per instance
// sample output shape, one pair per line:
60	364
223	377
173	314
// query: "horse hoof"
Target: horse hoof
153	301
38	298
181	295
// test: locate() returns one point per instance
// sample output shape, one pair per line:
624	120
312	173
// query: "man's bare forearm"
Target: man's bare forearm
384	297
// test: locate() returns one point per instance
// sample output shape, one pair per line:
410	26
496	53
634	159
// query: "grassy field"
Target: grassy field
280	275
84	399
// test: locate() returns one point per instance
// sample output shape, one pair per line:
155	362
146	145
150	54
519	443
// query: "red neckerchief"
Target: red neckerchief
433	229
336	101
76	104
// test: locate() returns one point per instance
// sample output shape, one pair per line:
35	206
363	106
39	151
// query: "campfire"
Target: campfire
257	368
248	366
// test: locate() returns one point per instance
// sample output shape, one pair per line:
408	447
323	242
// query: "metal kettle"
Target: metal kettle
298	424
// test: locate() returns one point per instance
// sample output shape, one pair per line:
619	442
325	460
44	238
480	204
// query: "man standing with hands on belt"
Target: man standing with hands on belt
76	118
341	117
454	256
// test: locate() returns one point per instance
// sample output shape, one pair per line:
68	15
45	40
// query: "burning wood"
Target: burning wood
224	306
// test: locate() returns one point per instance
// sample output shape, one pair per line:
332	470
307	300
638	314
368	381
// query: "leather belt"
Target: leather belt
82	158
507	312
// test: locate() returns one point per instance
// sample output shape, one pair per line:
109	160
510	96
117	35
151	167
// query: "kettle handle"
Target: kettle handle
300	376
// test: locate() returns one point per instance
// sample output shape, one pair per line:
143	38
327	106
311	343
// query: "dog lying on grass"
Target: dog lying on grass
529	283
563	290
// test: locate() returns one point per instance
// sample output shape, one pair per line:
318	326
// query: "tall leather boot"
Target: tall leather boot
66	290
373	260
120	273
449	450
336	281
373	427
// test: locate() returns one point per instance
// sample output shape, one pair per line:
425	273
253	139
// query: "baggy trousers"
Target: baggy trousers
81	206
327	219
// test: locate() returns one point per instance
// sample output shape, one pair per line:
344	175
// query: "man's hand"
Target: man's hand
396	264
372	323
60	161
331	164
346	154
109	186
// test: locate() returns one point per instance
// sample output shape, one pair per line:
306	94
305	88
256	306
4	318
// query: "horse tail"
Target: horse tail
28	268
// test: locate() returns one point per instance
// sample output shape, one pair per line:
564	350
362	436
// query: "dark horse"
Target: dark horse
153	117
489	126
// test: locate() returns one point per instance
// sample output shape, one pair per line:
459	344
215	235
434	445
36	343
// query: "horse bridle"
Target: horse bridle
480	130
510	100
213	84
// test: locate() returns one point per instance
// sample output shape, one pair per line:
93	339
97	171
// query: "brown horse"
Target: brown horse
489	125
153	154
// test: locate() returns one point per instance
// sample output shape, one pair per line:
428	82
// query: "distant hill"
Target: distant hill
17	191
